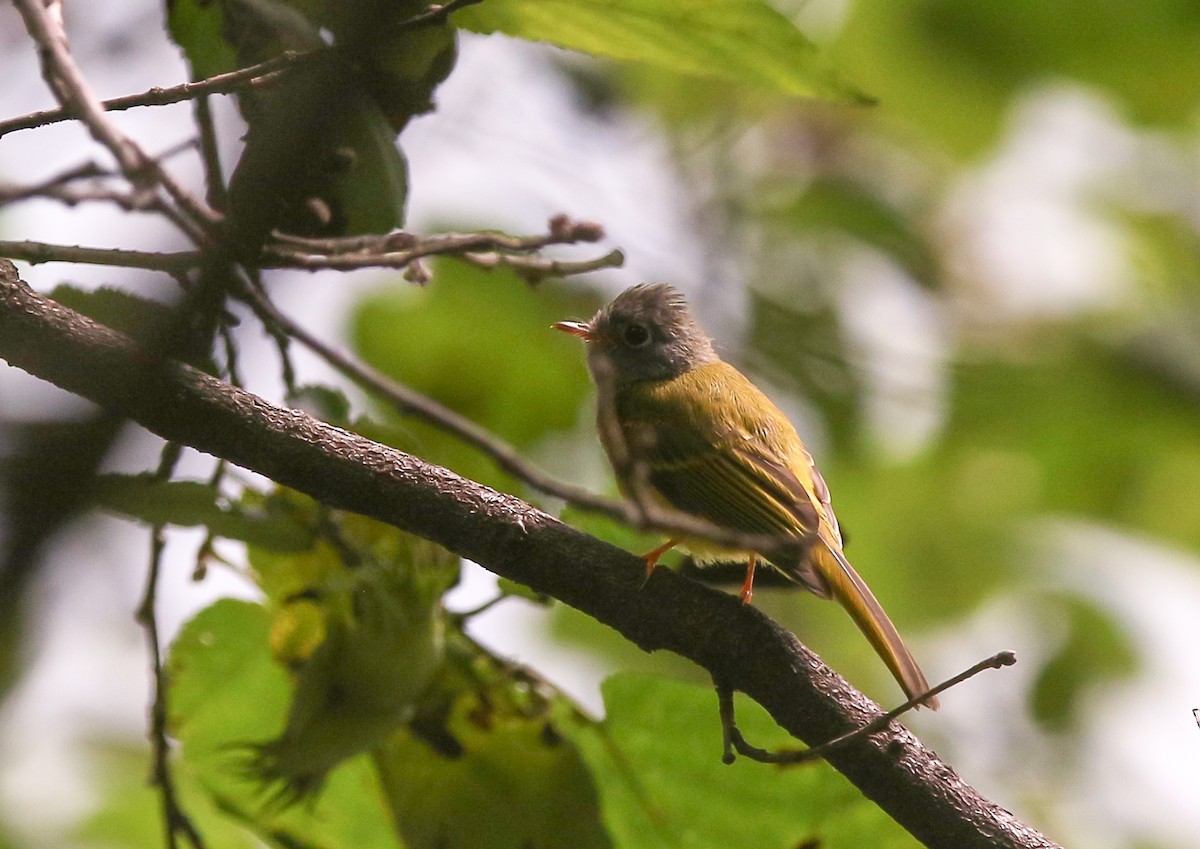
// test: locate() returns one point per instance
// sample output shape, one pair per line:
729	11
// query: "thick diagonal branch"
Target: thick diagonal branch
740	646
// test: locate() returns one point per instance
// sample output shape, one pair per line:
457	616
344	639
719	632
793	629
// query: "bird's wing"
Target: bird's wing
716	447
714	457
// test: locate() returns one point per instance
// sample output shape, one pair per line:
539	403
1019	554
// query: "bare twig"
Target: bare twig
38	252
11	192
44	23
734	741
217	84
392	250
214	180
45	26
534	269
89	182
72	194
397	250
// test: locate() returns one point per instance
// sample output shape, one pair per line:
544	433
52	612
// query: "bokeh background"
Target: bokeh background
978	299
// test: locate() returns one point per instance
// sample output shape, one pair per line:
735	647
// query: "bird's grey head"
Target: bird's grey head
645	333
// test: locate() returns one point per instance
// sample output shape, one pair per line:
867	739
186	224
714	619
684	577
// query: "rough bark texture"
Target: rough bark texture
736	643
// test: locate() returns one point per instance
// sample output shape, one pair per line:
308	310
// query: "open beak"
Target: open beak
575	328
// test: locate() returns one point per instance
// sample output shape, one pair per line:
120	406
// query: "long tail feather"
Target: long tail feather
855	596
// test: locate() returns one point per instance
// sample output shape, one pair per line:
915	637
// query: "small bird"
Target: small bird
689	432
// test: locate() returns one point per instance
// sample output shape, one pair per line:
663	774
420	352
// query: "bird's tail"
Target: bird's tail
852	593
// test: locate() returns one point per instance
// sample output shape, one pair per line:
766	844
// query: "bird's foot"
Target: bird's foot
747	591
652	557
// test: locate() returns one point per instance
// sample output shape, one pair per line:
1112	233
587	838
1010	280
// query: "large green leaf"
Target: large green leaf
657	761
489	769
745	41
227	693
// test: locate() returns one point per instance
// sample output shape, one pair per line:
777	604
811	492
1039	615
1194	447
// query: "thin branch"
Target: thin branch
397	250
217	194
95	182
45	26
735	741
175	820
10	192
39	252
737	644
560	230
355	253
217	84
61	186
44	23
534	269
73	194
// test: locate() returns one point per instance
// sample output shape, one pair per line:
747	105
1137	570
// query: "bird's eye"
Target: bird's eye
636	335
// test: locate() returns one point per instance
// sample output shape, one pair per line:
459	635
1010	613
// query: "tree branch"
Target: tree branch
739	645
216	84
38	252
44	22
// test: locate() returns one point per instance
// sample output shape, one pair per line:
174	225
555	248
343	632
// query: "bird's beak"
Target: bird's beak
576	328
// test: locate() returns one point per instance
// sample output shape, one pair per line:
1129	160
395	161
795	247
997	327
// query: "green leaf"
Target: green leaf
514	782
191	504
358	619
745	41
808	347
218	666
358	686
372	191
656	759
323	567
1089	430
226	694
324	139
116	308
196	26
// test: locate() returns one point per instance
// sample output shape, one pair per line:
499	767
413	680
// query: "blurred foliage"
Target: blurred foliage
1095	650
480	343
950	71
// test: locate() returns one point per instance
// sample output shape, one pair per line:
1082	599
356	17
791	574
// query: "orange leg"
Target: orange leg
747	592
651	557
